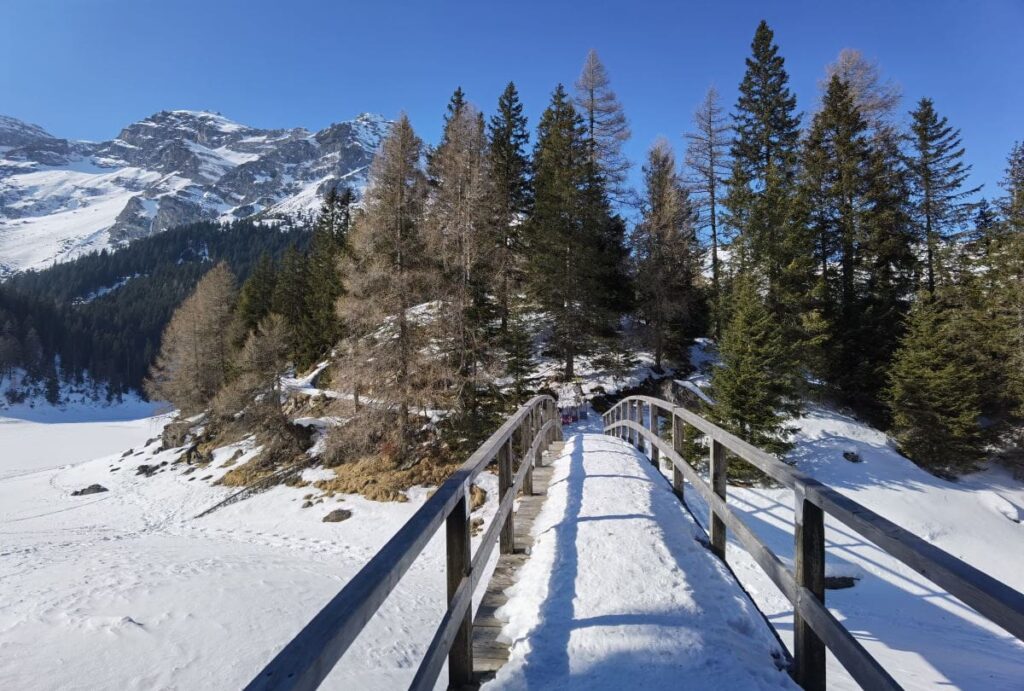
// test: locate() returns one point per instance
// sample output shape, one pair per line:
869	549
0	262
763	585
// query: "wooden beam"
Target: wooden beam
508	535
719	468
460	656
808	648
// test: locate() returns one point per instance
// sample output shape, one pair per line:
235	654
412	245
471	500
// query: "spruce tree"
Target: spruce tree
754	386
255	299
320	327
289	300
510	169
934	384
764	156
937	174
575	256
666	254
707	158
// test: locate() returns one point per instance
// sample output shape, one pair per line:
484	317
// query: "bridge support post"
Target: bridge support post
460	657
507	537
808	648
526	440
719	466
638	418
678	444
655	454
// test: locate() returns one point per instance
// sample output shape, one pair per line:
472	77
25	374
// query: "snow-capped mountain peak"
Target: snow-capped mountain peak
61	198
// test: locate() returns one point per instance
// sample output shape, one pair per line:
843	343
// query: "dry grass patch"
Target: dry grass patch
381	479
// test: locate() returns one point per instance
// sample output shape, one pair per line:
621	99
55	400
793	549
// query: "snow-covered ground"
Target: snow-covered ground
618	593
125	589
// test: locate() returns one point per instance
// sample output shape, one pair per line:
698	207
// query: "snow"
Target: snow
126	589
922	635
618	593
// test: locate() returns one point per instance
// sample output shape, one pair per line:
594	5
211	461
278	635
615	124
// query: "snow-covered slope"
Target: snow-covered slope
60	198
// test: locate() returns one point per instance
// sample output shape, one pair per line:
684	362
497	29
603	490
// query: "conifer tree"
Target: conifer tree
460	232
754	386
665	249
289	300
707	158
1011	206
255	299
764	156
876	98
510	168
934	384
195	350
386	273
575	257
937	174
606	126
320	327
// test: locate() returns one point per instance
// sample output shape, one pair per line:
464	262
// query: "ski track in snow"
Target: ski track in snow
619	594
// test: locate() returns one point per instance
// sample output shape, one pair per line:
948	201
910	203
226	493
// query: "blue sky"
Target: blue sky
85	68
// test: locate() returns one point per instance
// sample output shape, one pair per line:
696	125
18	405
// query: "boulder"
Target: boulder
91	489
337	516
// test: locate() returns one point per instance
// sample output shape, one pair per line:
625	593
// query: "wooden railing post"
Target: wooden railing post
460	657
808	648
507	539
655	456
526	437
719	466
678	442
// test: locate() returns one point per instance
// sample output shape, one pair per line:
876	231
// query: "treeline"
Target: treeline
98	319
839	256
860	264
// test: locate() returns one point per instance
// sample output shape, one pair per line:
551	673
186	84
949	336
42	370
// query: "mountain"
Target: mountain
61	198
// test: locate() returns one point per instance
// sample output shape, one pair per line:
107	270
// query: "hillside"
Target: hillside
62	198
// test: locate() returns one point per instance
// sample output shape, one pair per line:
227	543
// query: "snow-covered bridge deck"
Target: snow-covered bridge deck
619	591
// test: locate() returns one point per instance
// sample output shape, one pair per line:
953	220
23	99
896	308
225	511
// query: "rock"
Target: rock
91	489
852	456
337	516
475	525
477	497
175	434
306	504
840	582
146	470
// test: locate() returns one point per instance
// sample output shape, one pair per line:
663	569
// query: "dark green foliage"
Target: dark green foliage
576	258
113	336
754	388
858	236
935	383
764	157
510	167
290	291
255	299
938	173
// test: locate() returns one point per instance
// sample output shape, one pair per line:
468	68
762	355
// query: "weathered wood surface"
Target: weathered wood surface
815	626
309	657
488	653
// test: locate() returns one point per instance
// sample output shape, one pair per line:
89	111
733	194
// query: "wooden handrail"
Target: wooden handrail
814	626
308	658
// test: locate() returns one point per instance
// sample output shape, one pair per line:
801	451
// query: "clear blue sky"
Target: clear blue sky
85	68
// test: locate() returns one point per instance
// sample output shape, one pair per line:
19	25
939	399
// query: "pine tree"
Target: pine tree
754	386
320	327
575	257
937	174
1011	206
289	300
764	155
934	388
707	158
510	168
194	354
876	99
665	249
255	299
606	126
386	273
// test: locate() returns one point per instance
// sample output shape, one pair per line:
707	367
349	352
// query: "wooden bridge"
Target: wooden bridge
518	449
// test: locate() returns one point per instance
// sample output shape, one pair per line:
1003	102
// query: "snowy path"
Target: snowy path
618	593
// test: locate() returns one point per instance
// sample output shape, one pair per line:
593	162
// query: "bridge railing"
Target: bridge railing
309	657
814	627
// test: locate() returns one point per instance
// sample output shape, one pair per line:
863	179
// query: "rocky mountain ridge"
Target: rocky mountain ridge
60	198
